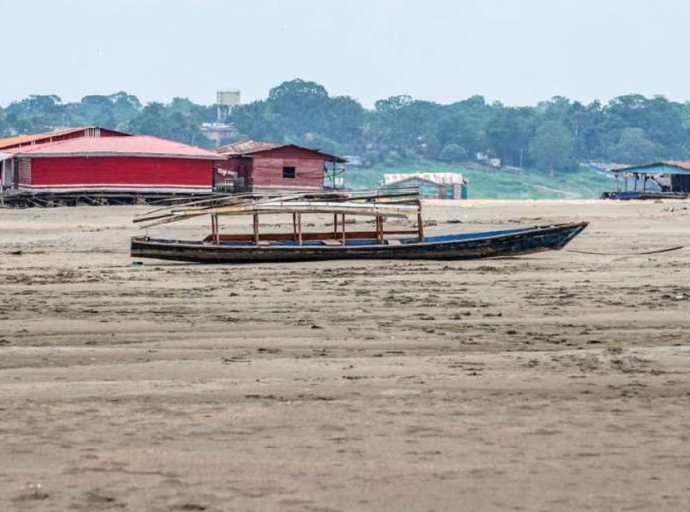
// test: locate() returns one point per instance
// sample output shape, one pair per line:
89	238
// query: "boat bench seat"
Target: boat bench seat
331	242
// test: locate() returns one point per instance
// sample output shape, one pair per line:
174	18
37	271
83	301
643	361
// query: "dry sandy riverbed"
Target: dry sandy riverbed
550	382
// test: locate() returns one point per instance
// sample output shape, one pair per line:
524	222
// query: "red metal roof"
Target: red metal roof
47	136
135	145
251	147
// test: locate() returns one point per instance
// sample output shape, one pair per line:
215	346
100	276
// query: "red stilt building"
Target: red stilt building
90	164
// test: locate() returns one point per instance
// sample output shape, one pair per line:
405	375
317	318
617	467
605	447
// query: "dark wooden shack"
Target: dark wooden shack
668	177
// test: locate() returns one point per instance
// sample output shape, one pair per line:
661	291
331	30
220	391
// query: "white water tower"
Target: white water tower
225	101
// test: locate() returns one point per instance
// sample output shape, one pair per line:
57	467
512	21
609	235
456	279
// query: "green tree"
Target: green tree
125	108
302	112
633	147
251	122
97	110
298	107
157	119
453	153
4	128
401	128
508	133
551	147
37	113
463	123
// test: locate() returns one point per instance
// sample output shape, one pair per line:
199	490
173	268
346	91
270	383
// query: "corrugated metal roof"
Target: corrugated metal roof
439	178
661	164
250	147
247	147
135	145
683	164
35	137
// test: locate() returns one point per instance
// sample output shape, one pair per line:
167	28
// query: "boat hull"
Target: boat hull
451	247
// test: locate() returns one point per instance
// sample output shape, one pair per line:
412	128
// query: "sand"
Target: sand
548	382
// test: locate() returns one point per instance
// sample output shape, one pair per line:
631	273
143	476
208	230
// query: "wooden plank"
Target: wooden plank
292	236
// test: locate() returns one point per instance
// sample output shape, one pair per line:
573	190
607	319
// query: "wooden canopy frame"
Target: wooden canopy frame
399	203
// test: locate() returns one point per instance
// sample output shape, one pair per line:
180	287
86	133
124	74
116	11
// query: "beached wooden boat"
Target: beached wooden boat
339	243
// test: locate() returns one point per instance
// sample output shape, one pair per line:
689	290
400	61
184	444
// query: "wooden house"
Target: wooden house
255	166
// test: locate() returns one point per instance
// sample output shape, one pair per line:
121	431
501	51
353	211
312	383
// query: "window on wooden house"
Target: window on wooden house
289	172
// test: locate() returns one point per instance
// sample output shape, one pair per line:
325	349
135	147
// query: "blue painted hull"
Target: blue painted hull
489	244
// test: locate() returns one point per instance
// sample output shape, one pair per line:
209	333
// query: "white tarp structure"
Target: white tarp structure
440	178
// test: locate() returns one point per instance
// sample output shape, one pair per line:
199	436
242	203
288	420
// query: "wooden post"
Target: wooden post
214	228
342	221
420	222
294	227
379	230
299	227
256	228
217	230
335	226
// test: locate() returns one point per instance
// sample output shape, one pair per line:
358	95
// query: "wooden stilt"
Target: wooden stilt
342	221
294	227
214	228
420	222
299	227
217	230
256	228
379	230
335	226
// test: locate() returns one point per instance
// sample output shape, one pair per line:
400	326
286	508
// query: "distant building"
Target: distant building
437	185
355	161
484	159
666	176
256	166
219	133
89	164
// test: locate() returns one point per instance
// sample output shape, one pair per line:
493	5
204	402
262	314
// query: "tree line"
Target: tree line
552	136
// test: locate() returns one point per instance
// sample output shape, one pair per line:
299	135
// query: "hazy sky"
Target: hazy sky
518	52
